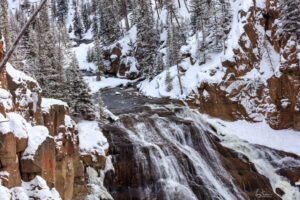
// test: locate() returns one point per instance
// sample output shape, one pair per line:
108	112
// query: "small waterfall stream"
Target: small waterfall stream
169	152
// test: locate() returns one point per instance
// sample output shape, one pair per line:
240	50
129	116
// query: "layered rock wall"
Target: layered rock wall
273	95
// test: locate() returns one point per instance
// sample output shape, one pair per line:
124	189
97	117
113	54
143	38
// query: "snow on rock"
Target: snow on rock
5	99
36	136
38	189
91	139
14	123
35	189
47	103
4	193
95	85
18	76
259	133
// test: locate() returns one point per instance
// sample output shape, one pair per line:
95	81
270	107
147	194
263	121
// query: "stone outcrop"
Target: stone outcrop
120	65
57	159
277	99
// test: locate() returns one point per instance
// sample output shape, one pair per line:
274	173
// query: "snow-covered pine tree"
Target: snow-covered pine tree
173	43
199	19
77	24
147	39
50	72
168	81
62	9
95	26
159	63
102	114
4	25
85	13
110	30
98	58
80	100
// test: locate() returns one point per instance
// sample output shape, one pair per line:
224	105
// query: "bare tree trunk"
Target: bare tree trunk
14	45
179	5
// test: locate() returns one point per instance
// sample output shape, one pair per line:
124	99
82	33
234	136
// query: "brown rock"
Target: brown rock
9	161
43	162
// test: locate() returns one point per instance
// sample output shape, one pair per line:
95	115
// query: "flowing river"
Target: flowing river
162	150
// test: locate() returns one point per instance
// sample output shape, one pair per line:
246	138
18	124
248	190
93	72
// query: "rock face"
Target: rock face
159	156
277	97
54	157
120	65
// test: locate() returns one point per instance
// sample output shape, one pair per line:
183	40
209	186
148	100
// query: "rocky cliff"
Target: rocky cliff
40	155
247	90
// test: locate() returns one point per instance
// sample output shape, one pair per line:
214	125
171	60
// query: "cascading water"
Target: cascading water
168	152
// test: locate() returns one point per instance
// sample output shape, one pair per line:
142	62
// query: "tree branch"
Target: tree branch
14	45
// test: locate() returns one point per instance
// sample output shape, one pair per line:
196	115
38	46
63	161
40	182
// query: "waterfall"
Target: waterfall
170	152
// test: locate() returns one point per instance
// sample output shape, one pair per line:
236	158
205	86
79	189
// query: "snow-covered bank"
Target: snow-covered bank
91	138
259	133
35	189
95	85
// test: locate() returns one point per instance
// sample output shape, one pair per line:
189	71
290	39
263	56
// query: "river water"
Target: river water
161	149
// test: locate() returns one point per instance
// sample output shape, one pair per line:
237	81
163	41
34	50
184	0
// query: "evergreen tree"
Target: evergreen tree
102	109
62	9
49	73
80	100
199	20
95	27
173	44
85	13
98	59
4	25
147	39
110	30
77	24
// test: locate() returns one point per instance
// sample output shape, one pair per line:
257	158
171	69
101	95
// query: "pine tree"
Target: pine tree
168	81
110	30
199	20
159	64
147	39
98	59
80	100
85	13
77	24
173	44
50	72
95	27
62	10
4	25
102	114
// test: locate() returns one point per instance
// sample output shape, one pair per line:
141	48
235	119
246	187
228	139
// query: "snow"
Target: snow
47	103
14	123
18	76
4	193
91	139
36	136
95	85
38	189
259	133
81	53
35	189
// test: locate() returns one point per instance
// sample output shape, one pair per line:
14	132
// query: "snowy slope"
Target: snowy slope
195	74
